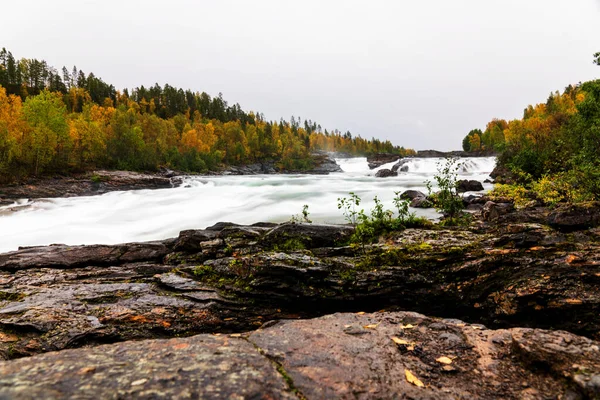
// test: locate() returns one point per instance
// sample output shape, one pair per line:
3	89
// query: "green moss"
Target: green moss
228	250
99	178
348	275
202	271
11	296
291	244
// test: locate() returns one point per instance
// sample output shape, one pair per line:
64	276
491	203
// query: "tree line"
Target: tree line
68	121
554	148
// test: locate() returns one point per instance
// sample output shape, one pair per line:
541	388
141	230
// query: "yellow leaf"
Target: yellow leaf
444	360
235	335
573	301
399	341
360	313
410	378
408	326
372	326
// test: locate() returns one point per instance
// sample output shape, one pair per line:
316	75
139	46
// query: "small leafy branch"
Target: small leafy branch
447	199
349	206
380	220
303	217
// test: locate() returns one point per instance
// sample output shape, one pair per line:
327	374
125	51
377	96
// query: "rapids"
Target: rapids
201	201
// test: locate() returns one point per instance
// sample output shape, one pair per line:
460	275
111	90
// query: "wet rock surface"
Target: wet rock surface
230	278
385	173
97	182
384	355
468	185
512	273
377	160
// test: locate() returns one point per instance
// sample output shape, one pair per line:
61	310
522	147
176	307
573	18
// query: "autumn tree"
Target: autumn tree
48	142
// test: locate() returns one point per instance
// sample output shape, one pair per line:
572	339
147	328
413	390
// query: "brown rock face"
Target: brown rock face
97	182
370	356
231	278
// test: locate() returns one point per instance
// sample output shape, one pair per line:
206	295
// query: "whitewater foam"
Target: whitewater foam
201	201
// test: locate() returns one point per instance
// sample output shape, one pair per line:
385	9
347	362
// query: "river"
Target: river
144	215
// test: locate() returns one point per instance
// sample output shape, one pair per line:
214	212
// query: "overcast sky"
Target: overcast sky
419	73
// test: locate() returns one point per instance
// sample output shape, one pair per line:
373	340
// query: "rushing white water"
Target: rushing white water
143	215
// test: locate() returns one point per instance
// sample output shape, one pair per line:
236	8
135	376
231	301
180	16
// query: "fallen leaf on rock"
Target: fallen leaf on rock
570	258
139	382
371	326
411	378
573	301
500	251
360	313
399	341
86	370
408	326
8	337
235	335
444	360
448	368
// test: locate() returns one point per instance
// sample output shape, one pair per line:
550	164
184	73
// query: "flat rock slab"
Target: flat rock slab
203	366
359	356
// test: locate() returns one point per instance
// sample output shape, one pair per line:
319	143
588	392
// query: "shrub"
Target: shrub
447	199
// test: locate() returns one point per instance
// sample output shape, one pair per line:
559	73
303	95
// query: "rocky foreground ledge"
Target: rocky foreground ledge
511	272
382	355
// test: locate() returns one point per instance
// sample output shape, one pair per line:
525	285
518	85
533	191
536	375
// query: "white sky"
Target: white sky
420	73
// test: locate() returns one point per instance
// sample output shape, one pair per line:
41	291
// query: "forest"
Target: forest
68	121
553	150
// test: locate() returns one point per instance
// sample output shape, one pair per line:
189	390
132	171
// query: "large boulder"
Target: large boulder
412	194
492	211
385	355
466	185
501	174
377	160
421	202
400	165
385	173
308	235
575	217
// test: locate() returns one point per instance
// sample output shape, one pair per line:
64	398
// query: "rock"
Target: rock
421	202
575	217
191	240
501	174
308	235
400	165
198	367
235	278
377	160
412	194
62	256
385	173
465	185
325	164
417	199
336	356
492	211
97	182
